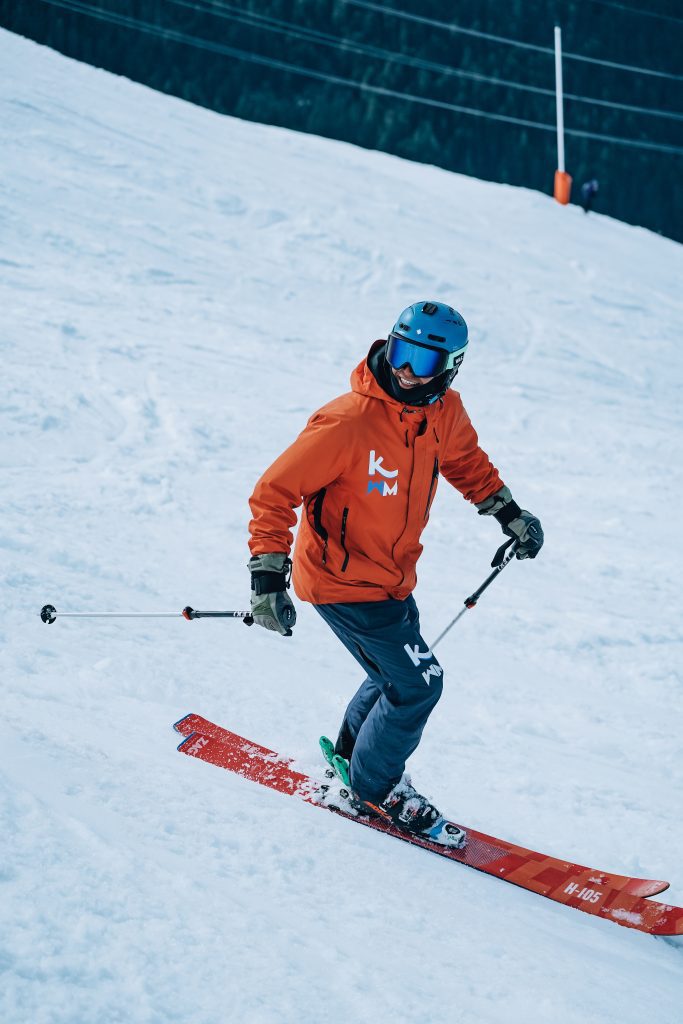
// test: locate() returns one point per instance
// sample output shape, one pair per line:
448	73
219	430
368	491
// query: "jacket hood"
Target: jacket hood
364	382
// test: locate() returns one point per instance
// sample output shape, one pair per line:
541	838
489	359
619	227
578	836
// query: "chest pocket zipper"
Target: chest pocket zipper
342	537
435	476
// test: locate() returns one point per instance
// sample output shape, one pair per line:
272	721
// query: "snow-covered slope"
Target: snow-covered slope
179	291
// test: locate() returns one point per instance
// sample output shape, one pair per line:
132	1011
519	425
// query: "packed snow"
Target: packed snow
179	291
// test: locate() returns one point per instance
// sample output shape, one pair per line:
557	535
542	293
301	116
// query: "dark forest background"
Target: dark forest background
205	50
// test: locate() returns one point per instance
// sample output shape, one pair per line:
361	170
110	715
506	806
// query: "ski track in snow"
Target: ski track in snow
179	291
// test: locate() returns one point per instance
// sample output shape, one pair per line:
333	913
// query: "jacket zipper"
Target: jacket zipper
345	515
435	475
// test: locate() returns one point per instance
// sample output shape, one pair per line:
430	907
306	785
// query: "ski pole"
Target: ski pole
49	613
500	560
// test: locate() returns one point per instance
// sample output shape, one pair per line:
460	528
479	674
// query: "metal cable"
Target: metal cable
228	11
420	19
230	51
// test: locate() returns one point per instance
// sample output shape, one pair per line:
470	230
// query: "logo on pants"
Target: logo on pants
417	657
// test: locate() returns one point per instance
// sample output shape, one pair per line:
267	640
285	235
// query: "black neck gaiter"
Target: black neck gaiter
422	395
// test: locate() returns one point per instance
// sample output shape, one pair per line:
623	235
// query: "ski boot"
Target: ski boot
411	812
339	766
403	806
337	792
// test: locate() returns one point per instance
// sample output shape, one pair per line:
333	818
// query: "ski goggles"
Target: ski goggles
423	360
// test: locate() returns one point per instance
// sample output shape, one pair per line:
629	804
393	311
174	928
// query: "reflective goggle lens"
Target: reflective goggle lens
423	361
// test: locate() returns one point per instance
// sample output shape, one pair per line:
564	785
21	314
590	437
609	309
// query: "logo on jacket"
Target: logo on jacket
382	486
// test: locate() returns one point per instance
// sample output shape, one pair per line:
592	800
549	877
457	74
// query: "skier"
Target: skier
589	191
366	468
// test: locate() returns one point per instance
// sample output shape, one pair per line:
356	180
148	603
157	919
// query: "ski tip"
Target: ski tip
646	887
177	725
185	739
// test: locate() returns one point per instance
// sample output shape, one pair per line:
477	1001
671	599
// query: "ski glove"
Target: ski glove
271	606
516	522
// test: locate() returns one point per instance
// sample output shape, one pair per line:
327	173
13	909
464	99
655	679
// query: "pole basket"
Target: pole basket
563	187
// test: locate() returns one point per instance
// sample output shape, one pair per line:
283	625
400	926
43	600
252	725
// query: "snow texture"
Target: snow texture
179	291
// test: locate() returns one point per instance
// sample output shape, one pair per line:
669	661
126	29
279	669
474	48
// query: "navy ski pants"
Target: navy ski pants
383	723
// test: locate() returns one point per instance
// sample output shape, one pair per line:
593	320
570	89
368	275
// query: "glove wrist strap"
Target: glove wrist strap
508	513
268	582
271	581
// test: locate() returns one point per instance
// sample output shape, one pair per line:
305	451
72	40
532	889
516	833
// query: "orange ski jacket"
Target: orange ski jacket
366	468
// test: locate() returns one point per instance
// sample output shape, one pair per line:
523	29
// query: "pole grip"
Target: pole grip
499	556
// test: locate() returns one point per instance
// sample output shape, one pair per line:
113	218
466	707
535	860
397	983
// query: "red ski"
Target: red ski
617	898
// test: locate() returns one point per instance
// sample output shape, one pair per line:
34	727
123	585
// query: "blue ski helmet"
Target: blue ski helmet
430	338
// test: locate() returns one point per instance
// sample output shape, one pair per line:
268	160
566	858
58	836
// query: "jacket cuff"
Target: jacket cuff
501	505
